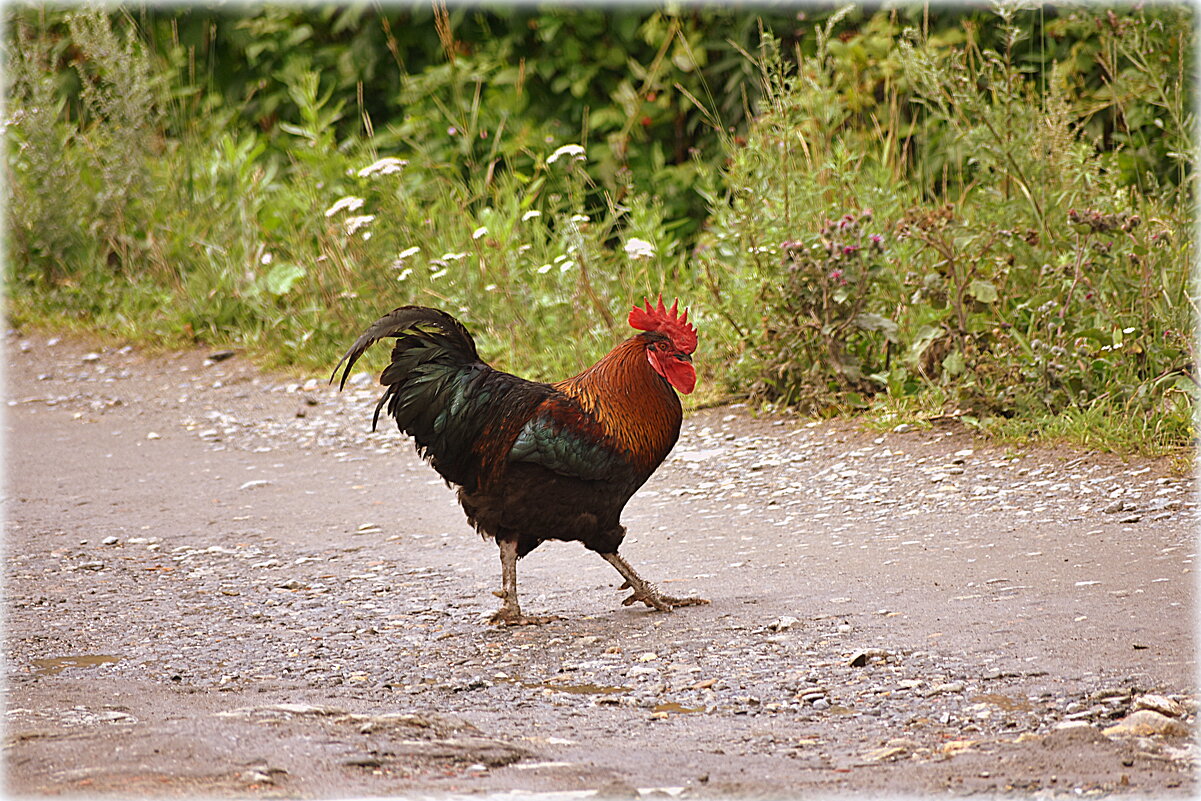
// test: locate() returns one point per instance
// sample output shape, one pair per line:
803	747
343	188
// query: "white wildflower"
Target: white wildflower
574	151
560	258
438	275
531	214
348	203
353	224
385	166
405	273
490	288
565	266
266	258
639	248
478	232
404	254
524	248
579	218
452	256
544	269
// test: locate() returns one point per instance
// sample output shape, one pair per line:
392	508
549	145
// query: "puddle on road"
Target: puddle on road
578	689
56	664
672	708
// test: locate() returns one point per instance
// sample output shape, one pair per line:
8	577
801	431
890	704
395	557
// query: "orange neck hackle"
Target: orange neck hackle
635	407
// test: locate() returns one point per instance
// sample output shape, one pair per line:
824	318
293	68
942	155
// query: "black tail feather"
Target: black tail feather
438	391
406	319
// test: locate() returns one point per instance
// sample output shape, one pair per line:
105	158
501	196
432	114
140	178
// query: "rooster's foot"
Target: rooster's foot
643	591
507	616
664	603
509	613
673	602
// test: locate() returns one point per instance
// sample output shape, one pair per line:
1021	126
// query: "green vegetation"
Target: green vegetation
986	215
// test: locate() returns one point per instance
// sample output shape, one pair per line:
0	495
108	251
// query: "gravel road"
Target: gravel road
220	583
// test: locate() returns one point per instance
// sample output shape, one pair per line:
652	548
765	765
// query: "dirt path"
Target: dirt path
219	583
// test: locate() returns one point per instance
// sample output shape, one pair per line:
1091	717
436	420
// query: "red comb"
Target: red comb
665	321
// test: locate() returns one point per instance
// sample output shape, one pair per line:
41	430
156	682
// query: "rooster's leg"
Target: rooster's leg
509	613
643	591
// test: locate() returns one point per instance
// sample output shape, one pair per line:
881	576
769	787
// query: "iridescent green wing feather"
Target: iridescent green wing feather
561	438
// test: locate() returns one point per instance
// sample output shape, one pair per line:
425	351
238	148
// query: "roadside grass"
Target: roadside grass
1030	295
906	264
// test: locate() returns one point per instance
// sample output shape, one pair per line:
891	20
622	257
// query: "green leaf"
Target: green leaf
282	277
855	400
876	322
954	364
923	339
297	130
982	291
1188	386
683	60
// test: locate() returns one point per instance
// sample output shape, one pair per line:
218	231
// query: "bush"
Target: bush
291	248
91	170
1028	282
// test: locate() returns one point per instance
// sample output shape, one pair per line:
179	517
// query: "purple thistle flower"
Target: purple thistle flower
847	250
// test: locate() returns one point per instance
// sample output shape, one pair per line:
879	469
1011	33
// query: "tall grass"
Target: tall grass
998	265
289	246
911	227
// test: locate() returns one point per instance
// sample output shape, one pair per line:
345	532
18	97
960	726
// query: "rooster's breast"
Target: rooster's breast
533	504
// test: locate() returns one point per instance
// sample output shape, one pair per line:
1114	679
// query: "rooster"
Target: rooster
533	461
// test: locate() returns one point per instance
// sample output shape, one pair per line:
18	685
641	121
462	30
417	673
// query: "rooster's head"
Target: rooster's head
671	356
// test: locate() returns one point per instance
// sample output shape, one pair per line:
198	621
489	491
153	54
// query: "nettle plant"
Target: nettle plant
822	340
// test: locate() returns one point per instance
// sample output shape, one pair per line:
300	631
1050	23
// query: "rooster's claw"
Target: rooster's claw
507	617
664	603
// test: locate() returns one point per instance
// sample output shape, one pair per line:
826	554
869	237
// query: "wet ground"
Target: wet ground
218	582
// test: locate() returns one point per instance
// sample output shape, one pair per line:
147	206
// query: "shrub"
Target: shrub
1020	279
